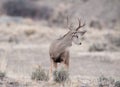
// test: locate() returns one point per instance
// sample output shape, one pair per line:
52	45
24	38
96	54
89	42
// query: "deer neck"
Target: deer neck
68	37
61	44
66	40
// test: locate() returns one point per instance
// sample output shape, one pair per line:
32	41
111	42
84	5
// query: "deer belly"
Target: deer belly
57	59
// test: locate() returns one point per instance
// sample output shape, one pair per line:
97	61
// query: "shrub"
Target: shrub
113	39
30	32
106	82
117	84
27	8
60	76
2	75
95	24
98	47
39	74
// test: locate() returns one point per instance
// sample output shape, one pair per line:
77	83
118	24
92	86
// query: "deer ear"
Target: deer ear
82	32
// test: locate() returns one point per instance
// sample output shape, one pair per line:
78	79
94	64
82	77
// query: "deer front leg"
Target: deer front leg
65	58
67	64
51	69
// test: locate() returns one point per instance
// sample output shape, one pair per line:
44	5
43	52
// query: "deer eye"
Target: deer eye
76	36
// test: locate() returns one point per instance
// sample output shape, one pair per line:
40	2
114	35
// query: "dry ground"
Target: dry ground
25	44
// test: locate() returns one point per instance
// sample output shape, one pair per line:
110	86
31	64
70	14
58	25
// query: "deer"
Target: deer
59	48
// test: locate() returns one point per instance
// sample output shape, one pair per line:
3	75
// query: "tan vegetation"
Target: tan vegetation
28	27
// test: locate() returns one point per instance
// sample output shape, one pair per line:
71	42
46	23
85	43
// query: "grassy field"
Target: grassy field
27	28
25	45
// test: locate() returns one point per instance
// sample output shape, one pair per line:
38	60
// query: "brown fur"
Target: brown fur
59	52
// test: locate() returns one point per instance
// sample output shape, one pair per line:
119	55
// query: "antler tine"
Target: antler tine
80	25
83	25
69	27
67	20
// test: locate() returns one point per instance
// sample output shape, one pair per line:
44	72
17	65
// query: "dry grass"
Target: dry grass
30	32
40	74
35	39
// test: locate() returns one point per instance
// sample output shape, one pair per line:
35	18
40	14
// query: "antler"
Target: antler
69	27
79	26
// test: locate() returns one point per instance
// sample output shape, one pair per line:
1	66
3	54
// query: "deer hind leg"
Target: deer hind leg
53	66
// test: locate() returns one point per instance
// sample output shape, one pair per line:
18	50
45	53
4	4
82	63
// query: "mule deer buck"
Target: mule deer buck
59	52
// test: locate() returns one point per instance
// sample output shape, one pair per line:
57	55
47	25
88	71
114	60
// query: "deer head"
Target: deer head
76	33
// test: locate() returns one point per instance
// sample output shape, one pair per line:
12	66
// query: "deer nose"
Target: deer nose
80	43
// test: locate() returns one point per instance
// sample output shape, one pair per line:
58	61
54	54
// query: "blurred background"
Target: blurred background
27	27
